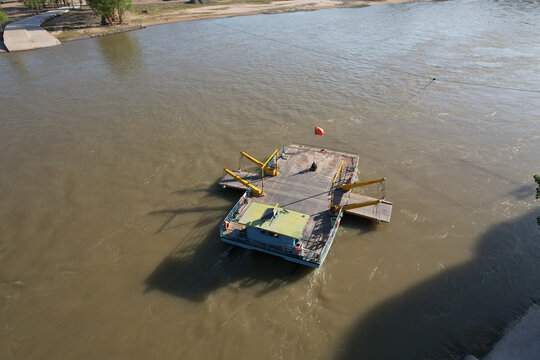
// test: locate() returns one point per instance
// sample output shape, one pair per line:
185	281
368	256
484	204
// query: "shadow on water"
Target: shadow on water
461	310
201	264
359	225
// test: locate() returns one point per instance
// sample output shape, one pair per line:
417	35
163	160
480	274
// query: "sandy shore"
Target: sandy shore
83	23
226	9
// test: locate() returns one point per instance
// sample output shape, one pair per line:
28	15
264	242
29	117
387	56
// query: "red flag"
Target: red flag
319	131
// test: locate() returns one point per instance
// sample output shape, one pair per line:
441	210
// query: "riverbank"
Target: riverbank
84	23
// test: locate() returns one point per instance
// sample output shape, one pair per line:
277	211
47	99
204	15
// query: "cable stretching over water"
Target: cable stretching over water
366	62
409	99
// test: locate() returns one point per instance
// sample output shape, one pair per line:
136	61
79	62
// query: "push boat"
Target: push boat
294	206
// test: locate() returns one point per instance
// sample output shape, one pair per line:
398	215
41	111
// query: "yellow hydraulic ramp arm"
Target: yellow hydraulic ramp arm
336	208
255	190
268	170
347	187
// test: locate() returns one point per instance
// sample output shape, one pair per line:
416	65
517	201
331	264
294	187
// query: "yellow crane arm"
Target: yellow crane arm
255	190
336	208
269	171
347	187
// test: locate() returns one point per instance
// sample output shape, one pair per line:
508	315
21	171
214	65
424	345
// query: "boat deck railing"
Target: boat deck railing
304	254
332	234
234	211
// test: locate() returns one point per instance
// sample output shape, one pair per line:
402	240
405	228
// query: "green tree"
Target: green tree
3	16
537	179
111	11
35	4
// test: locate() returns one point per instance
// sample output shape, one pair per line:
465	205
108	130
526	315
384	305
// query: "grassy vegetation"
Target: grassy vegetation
68	35
3	16
158	9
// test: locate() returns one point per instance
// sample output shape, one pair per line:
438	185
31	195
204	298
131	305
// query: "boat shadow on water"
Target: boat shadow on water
201	263
461	310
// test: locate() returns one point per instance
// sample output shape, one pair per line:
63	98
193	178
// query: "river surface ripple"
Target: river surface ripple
110	149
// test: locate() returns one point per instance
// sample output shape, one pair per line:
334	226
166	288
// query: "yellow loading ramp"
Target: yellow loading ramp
229	182
379	212
237	179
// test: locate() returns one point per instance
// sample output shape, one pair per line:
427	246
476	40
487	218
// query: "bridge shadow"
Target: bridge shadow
201	264
461	310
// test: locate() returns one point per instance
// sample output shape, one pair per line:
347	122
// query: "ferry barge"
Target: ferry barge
294	206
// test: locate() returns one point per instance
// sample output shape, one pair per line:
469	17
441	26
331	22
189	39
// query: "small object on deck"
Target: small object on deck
275	211
313	166
298	247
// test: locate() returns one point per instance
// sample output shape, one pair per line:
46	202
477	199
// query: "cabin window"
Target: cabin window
269	233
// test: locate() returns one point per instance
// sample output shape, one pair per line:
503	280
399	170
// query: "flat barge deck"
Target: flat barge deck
292	218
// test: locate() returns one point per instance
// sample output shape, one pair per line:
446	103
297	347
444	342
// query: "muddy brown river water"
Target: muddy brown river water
110	149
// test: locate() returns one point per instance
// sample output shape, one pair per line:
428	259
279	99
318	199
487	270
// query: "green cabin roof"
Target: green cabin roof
285	222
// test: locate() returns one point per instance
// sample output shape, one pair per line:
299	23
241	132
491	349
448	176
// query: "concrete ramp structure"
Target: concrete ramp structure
521	340
27	34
